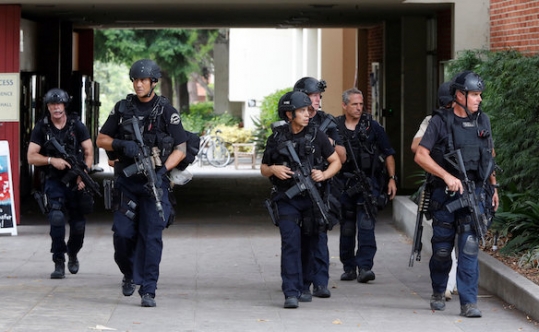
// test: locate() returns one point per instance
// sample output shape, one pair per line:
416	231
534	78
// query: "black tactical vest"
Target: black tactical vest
308	155
363	146
66	138
150	122
472	137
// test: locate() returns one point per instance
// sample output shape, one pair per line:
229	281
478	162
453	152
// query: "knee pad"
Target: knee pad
56	217
442	254
471	247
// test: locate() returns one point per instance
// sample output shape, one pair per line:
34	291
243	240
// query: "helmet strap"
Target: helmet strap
465	107
153	85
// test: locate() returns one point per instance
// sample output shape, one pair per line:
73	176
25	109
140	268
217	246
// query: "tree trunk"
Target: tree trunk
184	98
166	85
203	83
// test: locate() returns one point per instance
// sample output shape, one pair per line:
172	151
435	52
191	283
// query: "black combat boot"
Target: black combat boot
59	269
73	263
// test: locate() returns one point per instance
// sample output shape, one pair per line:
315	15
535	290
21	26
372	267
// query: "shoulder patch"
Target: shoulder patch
175	119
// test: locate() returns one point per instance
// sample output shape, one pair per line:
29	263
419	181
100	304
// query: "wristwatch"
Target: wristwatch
394	177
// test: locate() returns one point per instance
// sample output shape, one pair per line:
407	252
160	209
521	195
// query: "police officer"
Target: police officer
65	200
445	101
368	147
467	128
296	221
138	225
314	88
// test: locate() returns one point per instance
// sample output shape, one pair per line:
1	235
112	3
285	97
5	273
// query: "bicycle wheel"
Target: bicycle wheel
217	154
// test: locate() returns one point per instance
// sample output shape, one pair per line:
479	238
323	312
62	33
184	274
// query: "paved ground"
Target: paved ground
220	272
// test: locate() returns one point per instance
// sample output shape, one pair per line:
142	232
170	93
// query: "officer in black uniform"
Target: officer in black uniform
467	128
71	198
138	226
445	101
299	229
314	88
367	145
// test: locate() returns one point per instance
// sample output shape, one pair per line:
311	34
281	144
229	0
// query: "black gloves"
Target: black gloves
159	176
129	148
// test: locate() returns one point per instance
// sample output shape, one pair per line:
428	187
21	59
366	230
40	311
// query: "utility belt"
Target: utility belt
309	224
462	225
85	202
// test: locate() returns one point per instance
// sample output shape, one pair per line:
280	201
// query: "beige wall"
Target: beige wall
338	58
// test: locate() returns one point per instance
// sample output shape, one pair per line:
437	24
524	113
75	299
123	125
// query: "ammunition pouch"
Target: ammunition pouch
127	206
166	145
464	225
108	192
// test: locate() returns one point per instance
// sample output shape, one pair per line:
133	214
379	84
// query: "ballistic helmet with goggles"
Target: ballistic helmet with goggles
145	68
57	96
291	101
310	85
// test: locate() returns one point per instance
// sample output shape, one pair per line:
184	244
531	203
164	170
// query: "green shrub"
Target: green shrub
518	220
201	118
204	109
268	115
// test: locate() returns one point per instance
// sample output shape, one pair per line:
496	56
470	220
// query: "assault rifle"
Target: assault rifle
304	182
422	206
363	185
143	164
78	168
469	198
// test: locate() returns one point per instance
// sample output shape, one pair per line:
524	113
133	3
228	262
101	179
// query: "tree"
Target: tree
179	53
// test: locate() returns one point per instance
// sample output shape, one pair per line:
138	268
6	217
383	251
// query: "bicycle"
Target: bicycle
213	149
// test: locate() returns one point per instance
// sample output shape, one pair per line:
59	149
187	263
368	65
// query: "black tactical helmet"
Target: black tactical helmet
145	68
467	81
444	94
291	101
310	85
57	96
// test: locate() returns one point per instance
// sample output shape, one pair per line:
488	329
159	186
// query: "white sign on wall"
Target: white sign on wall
9	96
8	224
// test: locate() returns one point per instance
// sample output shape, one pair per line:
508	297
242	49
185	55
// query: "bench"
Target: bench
244	150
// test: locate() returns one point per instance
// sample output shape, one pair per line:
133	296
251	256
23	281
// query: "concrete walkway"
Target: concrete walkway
221	272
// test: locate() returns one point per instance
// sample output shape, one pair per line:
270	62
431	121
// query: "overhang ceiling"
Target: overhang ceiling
222	13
